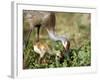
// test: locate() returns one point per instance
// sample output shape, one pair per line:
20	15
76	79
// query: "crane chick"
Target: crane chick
41	48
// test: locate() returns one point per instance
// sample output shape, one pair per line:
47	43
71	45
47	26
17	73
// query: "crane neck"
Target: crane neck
55	37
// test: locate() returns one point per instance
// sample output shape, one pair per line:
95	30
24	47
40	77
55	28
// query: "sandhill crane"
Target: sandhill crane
46	19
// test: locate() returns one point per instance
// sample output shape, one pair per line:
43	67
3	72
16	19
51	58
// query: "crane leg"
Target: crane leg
38	31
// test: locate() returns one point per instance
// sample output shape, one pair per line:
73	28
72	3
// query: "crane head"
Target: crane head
66	44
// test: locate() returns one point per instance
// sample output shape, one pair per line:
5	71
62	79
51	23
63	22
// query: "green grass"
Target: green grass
78	57
76	26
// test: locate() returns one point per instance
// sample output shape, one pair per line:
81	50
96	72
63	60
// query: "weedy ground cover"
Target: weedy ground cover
75	26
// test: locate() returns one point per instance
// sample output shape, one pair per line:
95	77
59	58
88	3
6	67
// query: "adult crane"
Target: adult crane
47	20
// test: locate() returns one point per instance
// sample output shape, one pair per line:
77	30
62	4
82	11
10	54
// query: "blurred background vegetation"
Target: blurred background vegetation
76	27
